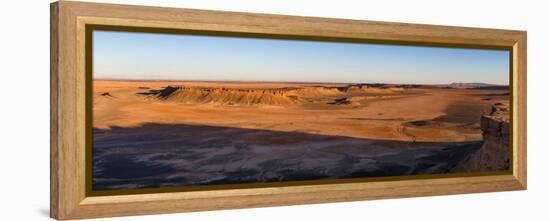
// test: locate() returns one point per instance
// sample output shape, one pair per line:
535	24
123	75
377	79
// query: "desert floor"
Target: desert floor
147	134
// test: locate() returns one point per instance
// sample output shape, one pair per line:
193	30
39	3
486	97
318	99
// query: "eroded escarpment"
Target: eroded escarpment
494	155
224	96
263	96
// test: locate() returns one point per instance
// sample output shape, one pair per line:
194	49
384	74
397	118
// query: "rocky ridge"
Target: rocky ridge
494	155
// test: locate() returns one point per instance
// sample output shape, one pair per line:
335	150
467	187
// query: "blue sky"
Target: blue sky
133	55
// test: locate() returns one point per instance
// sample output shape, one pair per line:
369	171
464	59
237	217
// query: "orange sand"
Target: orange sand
418	114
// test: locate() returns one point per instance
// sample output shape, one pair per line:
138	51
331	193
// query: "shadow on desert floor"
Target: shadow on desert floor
160	155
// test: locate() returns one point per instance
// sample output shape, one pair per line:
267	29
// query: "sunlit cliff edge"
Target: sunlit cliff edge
495	153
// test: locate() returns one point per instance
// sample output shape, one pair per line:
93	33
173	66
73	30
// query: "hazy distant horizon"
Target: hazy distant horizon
298	82
171	57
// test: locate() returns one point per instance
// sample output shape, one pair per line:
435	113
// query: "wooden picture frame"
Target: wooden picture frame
68	155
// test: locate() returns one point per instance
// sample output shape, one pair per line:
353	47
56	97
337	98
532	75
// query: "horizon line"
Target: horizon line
298	82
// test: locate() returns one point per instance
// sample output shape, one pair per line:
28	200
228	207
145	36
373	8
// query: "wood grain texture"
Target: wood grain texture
521	114
68	108
54	97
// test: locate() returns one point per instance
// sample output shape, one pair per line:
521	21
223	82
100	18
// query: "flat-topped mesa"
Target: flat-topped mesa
226	96
372	89
260	96
495	153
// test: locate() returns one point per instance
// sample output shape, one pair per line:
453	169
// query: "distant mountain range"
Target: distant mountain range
475	85
468	85
457	85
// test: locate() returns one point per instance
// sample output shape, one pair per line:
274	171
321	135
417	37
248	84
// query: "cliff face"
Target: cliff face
495	153
262	96
227	96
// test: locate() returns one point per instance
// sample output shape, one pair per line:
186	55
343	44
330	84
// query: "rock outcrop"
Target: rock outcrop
225	96
494	155
265	96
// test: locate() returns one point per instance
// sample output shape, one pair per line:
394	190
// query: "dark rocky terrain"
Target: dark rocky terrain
157	155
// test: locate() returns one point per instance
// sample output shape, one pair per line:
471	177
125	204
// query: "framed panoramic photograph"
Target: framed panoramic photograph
159	110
